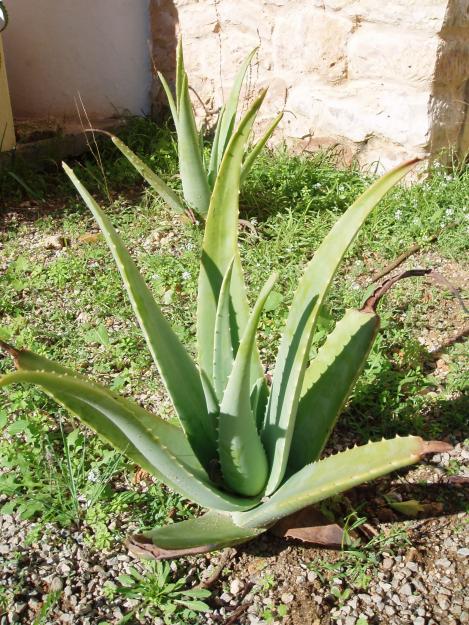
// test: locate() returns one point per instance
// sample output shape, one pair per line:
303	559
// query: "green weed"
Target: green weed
356	564
274	612
159	596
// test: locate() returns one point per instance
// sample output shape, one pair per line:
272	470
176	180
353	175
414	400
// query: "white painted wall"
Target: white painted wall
99	48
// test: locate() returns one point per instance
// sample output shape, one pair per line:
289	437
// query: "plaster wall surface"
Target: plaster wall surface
57	49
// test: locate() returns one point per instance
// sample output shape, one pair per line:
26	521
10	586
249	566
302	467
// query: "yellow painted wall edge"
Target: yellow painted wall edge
7	130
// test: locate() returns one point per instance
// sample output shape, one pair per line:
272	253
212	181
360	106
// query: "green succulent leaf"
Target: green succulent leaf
328	382
180	73
171	102
225	336
179	373
220	247
333	475
205	533
228	120
211	399
191	167
259	399
295	343
156	183
153	443
213	164
256	150
242	456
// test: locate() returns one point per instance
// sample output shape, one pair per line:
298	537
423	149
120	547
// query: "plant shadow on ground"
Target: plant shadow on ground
368	418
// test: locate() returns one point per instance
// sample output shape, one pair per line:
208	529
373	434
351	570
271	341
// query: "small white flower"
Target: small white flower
186	275
92	476
449	212
398	214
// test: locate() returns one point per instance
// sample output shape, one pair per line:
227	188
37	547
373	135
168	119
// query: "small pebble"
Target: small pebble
236	586
406	589
387	564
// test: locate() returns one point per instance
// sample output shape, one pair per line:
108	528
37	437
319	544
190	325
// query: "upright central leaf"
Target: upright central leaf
220	247
242	456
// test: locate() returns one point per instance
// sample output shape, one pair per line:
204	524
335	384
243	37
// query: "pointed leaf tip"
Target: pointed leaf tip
435	447
12	351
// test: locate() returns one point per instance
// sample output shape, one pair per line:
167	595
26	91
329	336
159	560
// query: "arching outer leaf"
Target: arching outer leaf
175	439
205	533
156	183
147	439
177	370
242	456
171	102
255	151
225	337
295	344
228	120
220	246
336	474
328	382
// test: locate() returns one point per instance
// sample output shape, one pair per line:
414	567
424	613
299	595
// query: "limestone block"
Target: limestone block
387	53
382	154
417	14
360	110
309	41
196	21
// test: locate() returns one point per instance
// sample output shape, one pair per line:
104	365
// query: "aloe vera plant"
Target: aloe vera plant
246	450
197	176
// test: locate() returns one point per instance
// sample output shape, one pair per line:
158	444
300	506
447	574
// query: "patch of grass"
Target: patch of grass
41	180
47	472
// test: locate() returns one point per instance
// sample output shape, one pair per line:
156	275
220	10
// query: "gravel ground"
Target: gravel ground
420	584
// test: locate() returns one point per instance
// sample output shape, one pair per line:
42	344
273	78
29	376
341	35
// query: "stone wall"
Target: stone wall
384	80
